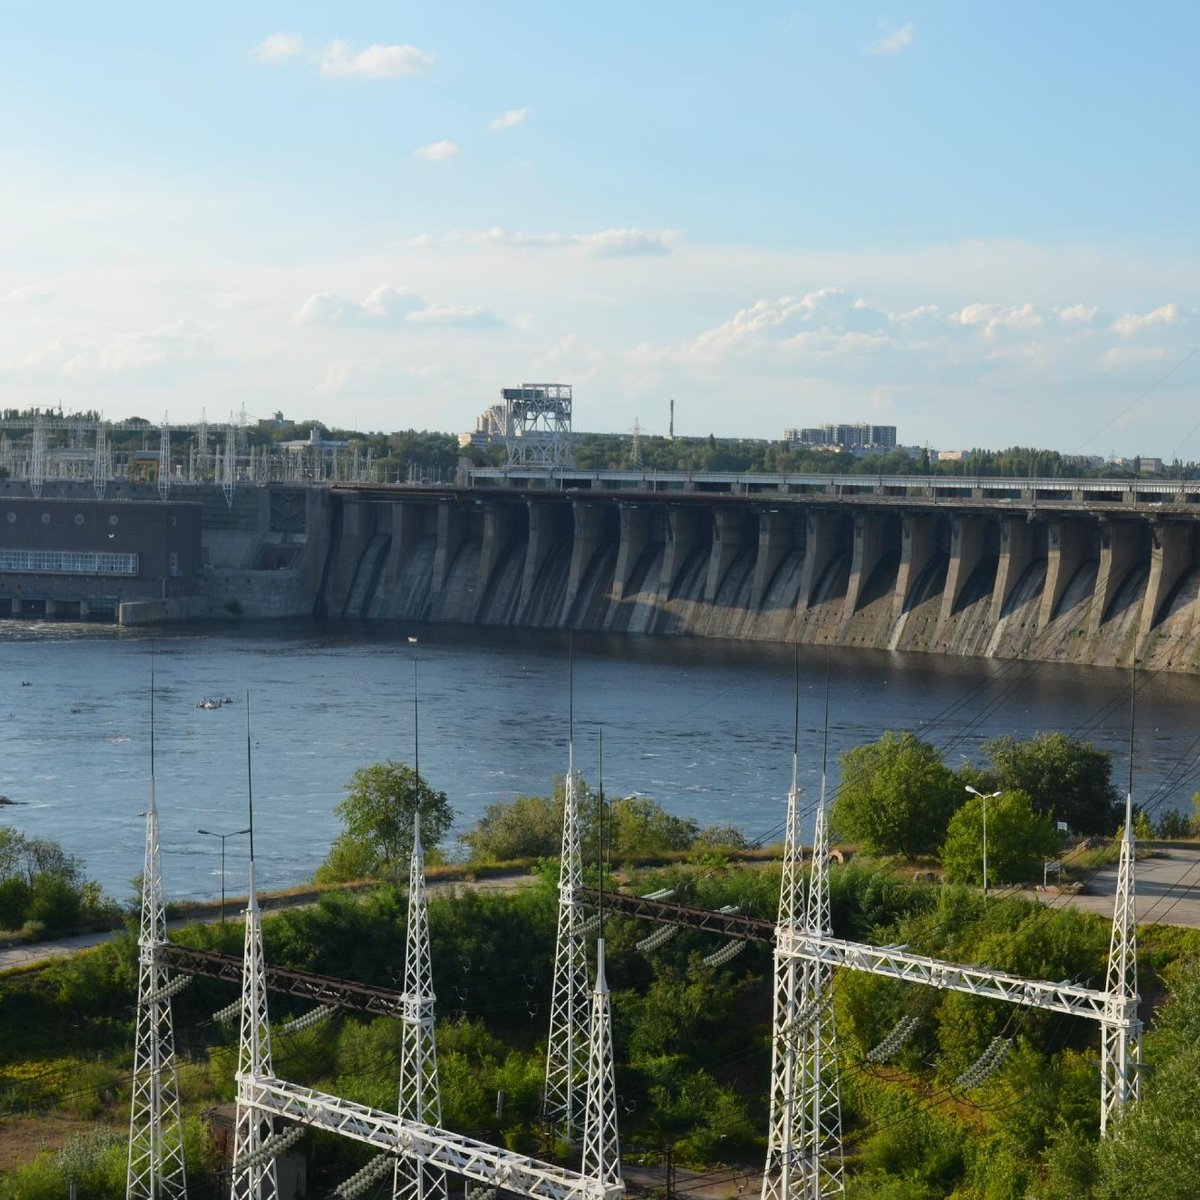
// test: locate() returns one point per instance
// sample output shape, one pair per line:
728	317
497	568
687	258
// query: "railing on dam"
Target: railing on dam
1162	491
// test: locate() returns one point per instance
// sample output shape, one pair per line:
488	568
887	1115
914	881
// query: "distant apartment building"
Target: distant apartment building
859	436
491	429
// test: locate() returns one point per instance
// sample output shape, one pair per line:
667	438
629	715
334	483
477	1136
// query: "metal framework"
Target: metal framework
420	1098
567	1044
37	458
155	1168
229	462
164	460
437	1147
308	985
804	1151
537	424
102	467
1121	1034
601	1143
253	1176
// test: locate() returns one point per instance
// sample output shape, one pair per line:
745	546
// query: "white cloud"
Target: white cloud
375	62
1133	356
385	306
894	42
29	294
1131	323
151	353
436	150
454	316
604	243
997	317
388	307
506	120
279	46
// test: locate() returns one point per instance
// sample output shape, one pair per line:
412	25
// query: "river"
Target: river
703	727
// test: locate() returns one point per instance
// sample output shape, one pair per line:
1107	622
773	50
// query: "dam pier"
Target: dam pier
1085	571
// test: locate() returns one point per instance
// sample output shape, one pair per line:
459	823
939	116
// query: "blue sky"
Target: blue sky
978	222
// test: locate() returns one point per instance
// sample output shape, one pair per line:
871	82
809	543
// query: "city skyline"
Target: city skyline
976	226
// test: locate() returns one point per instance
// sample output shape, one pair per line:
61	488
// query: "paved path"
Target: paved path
38	952
1168	889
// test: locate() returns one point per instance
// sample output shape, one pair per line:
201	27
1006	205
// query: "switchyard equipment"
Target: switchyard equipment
804	1155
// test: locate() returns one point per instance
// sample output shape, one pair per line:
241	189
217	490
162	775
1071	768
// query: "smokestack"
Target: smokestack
671	427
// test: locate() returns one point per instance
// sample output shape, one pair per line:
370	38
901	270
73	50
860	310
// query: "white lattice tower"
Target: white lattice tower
155	1166
254	1175
601	1144
1121	1032
567	1046
420	1097
37	458
819	1099
229	471
102	467
164	459
781	1175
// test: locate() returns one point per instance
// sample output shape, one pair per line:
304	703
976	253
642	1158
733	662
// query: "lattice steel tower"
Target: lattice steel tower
164	459
155	1167
102	468
567	1047
601	1143
253	1176
1121	1033
804	1154
537	424
420	1098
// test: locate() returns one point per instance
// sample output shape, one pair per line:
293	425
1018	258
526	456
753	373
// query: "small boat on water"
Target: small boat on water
219	702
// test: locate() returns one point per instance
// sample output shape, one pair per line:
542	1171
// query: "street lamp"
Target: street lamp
223	836
985	799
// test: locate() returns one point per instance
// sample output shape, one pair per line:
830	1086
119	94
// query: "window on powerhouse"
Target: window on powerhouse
68	562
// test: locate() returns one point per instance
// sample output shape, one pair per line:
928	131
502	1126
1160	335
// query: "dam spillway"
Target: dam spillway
1082	577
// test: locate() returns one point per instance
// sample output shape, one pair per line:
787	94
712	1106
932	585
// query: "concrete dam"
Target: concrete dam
1077	578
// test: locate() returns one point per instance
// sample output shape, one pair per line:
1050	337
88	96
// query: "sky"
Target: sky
977	222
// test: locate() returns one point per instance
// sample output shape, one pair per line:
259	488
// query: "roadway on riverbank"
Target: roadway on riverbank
1168	893
36	953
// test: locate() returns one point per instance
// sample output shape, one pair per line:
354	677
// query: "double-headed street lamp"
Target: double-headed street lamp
223	836
985	799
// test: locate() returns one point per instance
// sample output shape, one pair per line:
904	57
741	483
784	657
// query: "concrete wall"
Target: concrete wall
1038	585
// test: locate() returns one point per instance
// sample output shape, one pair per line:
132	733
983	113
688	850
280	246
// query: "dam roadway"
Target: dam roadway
1082	571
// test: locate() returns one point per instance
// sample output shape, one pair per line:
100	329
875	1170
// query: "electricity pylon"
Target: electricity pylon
156	1168
420	1098
601	1143
1121	1033
567	1046
804	1155
254	1176
820	1096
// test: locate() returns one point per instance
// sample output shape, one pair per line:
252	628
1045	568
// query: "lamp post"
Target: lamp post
223	836
985	799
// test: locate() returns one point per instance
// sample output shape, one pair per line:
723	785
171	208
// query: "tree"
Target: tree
896	796
1065	777
1019	840
524	827
377	815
